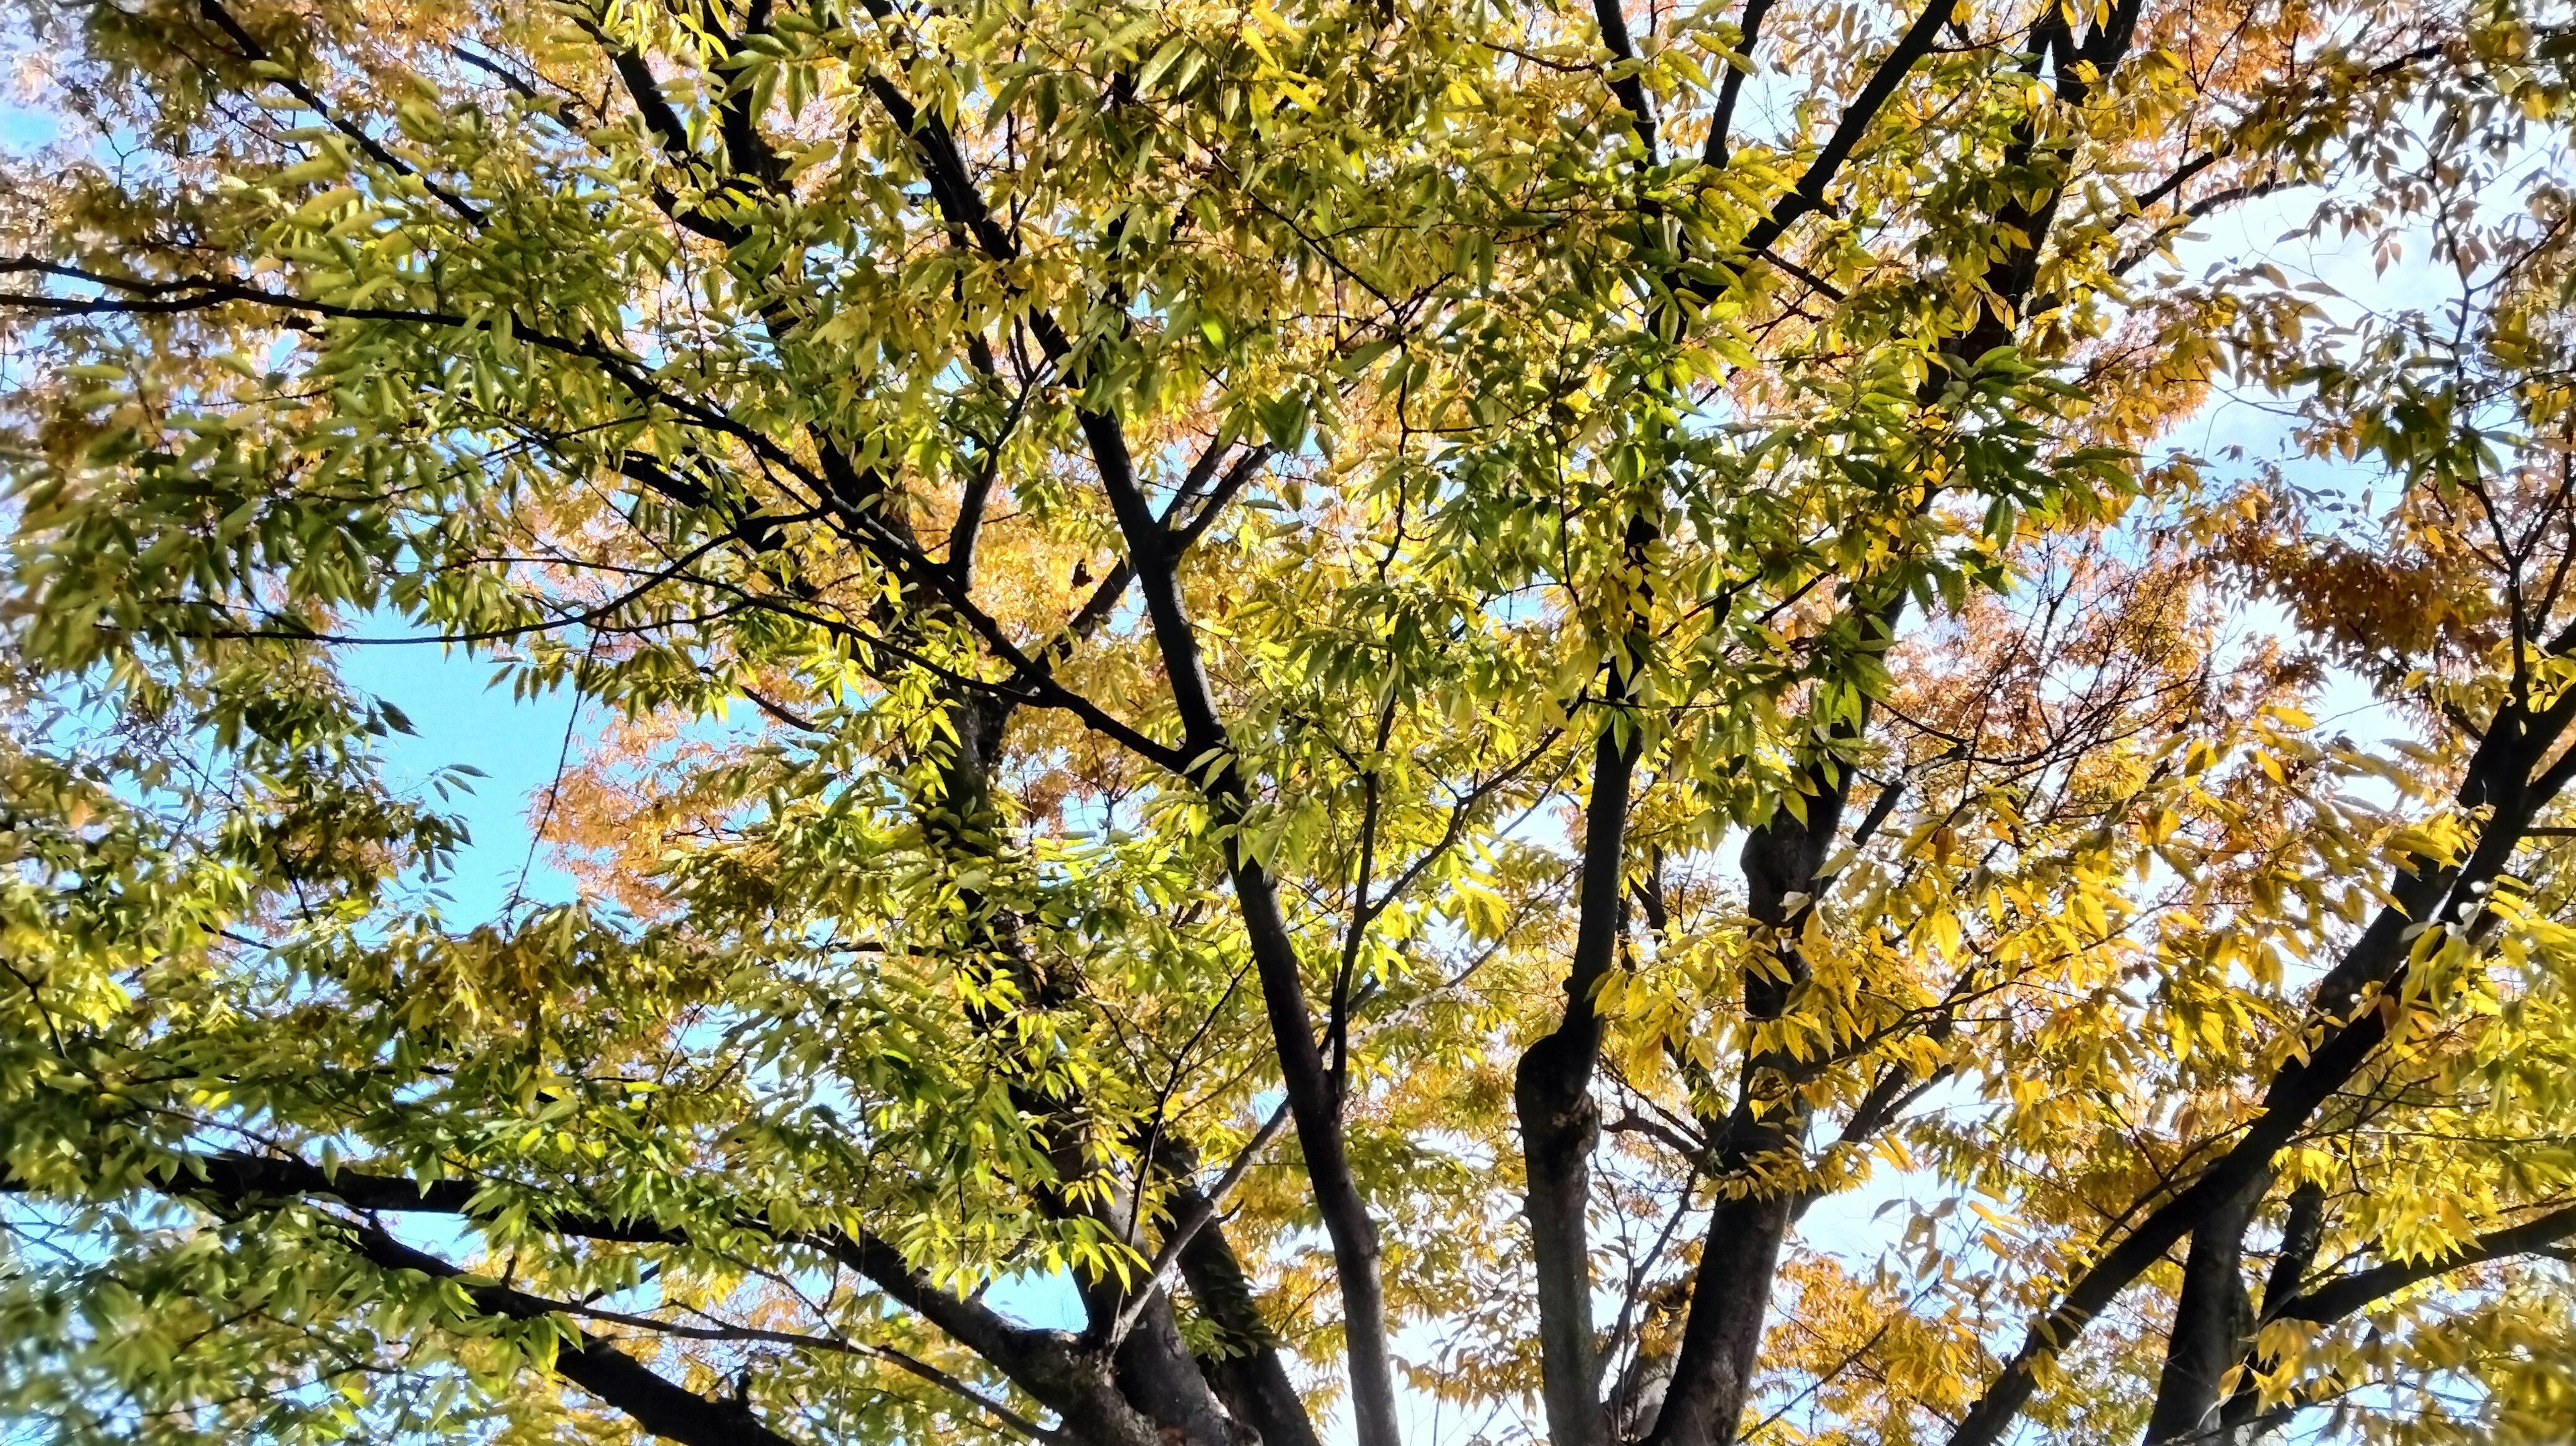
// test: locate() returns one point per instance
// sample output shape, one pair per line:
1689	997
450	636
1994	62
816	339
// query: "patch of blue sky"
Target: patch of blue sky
465	712
462	709
25	128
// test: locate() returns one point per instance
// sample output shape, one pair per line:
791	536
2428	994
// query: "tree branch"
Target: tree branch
1731	89
590	1363
1041	1362
2345	1295
1809	194
1630	88
1198	1215
2426	892
259	54
1213	764
1560	1122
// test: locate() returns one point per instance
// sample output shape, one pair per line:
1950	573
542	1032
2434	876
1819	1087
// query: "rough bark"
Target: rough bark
1157	1375
1560	1125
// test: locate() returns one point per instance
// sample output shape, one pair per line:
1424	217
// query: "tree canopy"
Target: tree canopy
1413	692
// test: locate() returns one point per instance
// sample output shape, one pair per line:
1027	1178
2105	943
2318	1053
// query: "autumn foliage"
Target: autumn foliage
1478	723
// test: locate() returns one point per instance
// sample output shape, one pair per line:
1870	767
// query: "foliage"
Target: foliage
1381	683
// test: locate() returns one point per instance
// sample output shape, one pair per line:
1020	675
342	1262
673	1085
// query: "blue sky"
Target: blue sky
462	717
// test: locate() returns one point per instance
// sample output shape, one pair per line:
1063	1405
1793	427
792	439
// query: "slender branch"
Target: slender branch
2340	1297
517	84
1212	763
1731	89
1206	756
259	54
1245	468
2197	210
1168	1258
1809	194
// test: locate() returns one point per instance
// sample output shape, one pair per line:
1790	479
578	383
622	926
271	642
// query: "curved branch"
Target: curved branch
1809	194
594	1365
2345	1295
1037	1360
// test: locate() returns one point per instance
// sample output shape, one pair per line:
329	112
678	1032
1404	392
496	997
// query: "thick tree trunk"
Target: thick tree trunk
1561	1123
2302	1231
2212	1322
1560	1126
1157	1375
1731	1294
1250	1377
1722	1338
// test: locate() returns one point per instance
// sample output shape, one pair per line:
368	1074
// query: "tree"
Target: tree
1420	670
